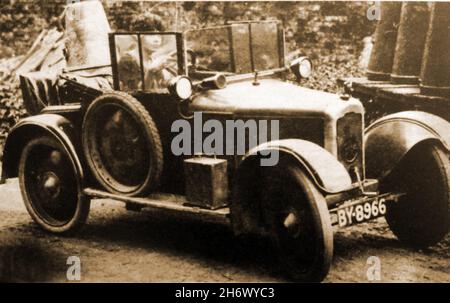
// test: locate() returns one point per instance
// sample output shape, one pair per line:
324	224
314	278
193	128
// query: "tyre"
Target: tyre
50	186
421	217
122	145
298	221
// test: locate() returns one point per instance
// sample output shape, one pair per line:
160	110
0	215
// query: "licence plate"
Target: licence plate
360	211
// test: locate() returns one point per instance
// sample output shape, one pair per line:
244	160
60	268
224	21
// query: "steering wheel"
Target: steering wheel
192	64
191	61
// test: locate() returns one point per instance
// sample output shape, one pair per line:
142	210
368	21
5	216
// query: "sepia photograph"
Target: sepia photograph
224	142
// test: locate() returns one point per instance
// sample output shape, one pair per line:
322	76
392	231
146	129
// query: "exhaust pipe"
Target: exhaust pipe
414	20
382	56
435	73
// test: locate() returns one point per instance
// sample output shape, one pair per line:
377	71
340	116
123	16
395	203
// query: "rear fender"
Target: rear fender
52	125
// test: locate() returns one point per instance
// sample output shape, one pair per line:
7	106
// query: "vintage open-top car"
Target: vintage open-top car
330	170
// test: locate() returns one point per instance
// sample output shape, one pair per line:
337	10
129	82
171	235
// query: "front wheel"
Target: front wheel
51	187
298	221
421	217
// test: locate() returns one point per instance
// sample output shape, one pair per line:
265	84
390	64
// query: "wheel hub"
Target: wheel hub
119	149
51	184
292	223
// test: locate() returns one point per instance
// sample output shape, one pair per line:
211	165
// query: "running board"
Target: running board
168	202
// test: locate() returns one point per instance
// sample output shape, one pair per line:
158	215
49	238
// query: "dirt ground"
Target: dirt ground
121	246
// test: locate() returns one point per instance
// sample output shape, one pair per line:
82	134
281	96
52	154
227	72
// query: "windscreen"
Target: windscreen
128	62
238	48
265	45
146	61
160	61
211	48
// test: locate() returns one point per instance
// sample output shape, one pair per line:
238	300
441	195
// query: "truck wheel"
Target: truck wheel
298	222
50	186
122	145
420	218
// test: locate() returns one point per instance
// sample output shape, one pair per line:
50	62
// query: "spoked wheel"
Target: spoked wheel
50	186
122	145
298	220
421	217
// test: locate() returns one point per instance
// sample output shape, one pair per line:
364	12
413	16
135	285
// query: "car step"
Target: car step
167	202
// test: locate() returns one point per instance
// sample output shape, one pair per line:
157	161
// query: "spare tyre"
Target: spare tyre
122	145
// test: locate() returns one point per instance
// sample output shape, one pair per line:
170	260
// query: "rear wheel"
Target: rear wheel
298	221
50	186
421	217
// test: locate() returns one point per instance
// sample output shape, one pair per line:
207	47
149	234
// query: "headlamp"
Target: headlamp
181	87
305	68
302	67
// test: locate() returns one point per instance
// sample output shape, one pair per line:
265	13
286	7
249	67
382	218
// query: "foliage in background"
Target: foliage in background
318	28
330	33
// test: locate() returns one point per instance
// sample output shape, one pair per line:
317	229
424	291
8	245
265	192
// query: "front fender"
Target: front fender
53	125
322	167
388	139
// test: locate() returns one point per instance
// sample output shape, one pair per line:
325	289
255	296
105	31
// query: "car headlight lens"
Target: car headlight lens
302	67
305	68
181	87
